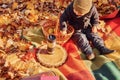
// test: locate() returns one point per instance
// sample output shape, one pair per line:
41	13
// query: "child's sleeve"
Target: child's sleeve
94	17
64	17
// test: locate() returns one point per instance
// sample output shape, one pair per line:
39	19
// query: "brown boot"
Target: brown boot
90	56
106	51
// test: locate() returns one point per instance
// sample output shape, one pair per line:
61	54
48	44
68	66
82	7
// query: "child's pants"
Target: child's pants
82	39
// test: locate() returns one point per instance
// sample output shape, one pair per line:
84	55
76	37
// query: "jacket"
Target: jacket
88	20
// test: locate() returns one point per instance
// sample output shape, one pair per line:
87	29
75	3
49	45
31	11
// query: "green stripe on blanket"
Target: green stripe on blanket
108	71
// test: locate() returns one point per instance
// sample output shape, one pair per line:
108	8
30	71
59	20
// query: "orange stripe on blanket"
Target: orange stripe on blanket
75	68
115	25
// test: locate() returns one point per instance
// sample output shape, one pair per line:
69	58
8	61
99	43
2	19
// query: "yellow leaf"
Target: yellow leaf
14	5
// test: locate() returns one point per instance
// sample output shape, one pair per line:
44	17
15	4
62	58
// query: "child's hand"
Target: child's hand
63	32
94	29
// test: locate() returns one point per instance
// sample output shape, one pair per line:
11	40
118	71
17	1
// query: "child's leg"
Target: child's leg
98	43
82	43
96	40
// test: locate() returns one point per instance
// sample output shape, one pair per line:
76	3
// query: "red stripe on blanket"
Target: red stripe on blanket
74	68
115	25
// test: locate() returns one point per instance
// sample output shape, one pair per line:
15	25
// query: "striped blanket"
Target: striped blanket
104	67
